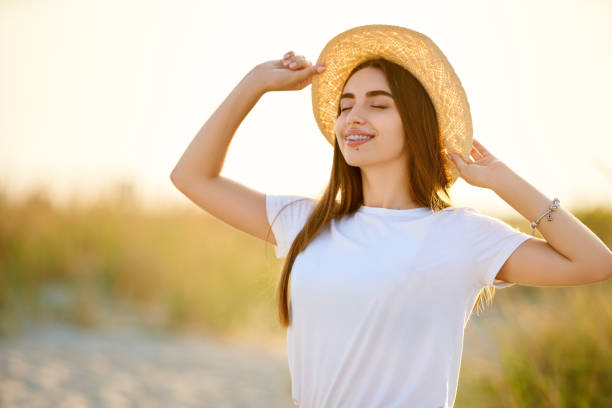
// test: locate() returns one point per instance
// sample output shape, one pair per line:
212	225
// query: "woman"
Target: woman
384	272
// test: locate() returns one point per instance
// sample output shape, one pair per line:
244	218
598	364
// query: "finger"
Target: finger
480	147
475	153
292	57
288	55
469	160
300	63
292	61
458	160
310	70
298	58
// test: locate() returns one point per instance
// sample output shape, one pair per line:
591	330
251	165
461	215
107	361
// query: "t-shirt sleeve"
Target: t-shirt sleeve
491	242
287	222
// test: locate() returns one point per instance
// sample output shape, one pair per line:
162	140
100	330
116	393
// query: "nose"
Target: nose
353	115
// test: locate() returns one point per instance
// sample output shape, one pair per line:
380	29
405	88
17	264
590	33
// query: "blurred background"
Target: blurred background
115	289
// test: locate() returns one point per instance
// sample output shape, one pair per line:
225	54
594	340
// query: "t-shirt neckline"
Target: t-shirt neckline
391	211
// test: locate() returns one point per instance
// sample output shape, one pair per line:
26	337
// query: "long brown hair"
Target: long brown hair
429	178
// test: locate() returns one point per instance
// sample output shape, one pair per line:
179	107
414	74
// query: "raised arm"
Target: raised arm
197	172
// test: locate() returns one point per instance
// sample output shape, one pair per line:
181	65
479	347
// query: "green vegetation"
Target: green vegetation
180	270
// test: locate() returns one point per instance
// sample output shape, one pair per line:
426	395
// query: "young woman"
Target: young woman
384	271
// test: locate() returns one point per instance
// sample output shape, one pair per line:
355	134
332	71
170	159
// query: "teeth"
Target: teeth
358	137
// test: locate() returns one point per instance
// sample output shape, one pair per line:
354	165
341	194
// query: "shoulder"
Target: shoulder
466	218
288	205
456	212
476	224
464	213
283	200
450	218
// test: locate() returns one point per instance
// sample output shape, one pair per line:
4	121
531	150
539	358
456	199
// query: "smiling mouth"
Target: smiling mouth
357	136
357	142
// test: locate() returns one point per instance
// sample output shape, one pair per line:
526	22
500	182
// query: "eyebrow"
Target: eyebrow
368	94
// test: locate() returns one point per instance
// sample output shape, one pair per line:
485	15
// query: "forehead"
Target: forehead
369	81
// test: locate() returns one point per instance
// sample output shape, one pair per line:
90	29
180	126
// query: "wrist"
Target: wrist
498	173
255	82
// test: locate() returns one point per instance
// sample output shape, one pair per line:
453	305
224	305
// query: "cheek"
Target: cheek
338	126
394	141
393	130
338	136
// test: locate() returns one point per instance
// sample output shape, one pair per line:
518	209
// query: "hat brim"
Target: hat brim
414	51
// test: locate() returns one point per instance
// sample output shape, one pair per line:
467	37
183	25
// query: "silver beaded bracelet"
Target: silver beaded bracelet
554	205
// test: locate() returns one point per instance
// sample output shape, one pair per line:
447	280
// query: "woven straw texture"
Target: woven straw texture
415	52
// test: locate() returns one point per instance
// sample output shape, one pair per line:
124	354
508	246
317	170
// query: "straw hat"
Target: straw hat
415	52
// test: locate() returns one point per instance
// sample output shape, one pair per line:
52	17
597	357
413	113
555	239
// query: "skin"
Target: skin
383	159
570	254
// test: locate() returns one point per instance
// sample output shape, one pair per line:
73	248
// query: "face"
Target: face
364	108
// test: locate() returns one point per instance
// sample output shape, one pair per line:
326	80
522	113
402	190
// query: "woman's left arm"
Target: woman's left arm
570	255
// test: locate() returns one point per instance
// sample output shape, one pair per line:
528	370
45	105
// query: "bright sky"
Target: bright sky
98	92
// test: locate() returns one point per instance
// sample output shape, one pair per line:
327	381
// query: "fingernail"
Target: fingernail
320	68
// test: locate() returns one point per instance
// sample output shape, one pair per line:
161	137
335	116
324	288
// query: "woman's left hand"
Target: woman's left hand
477	172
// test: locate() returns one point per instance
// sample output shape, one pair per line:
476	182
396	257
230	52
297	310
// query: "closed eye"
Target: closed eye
380	107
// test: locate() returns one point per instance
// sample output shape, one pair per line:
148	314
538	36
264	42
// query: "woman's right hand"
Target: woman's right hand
279	75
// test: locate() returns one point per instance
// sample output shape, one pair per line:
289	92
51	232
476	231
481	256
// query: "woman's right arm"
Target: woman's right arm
197	172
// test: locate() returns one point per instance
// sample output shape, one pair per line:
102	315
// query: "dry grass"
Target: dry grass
186	271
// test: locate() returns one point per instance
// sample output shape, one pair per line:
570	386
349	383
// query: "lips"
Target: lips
353	143
357	132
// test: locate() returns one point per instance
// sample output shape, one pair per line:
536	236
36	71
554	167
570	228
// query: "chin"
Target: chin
352	160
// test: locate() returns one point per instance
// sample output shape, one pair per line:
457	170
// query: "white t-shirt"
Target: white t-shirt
380	299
